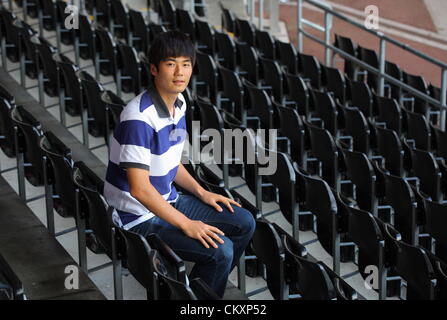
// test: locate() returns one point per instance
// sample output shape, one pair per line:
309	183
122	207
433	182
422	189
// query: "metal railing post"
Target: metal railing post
251	8
443	98
300	25
381	79
327	36
274	16
261	14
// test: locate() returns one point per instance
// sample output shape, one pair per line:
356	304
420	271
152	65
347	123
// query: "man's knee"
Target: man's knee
246	220
224	252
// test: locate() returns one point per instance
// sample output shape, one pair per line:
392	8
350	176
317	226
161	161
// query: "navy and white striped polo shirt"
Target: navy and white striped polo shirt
147	137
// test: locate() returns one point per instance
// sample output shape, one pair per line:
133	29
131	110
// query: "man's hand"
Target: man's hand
203	232
212	199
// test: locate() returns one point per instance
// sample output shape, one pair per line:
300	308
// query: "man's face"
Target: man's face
172	75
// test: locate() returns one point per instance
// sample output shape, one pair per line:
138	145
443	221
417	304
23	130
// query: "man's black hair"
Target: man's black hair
171	44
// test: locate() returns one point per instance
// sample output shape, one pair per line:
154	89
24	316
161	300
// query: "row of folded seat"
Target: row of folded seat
286	109
64	199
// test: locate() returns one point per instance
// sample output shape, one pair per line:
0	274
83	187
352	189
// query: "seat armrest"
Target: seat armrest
202	290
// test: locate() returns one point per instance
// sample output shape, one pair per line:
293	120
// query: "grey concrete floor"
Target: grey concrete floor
132	289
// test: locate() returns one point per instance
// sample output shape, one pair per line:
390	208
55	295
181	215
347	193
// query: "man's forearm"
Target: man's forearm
155	203
187	182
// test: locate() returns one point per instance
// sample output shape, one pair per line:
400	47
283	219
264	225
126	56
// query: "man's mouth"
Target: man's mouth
179	82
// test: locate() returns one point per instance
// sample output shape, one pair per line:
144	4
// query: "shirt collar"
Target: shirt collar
160	105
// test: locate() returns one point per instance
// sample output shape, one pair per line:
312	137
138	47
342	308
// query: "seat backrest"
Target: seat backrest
418	129
357	127
427	170
226	50
361	173
284	179
414	266
311	69
103	12
287	56
92	205
155	29
29	136
210	181
92	101
269	250
11	287
119	15
169	288
6	23
6	129
174	265
272	75
401	197
321	202
139	29
261	105
325	150
62	172
335	82
45	52
291	126
347	45
233	89
436	224
71	84
115	105
299	93
5	94
210	116
265	44
326	110
361	97
106	47
208	73
87	37
418	83
394	71
389	112
205	36
370	57
366	234
246	31
441	141
168	13
390	147
186	23
138	260
313	281
228	19
130	64
49	10
248	61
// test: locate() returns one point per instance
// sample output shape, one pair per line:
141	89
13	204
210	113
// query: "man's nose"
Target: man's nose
179	70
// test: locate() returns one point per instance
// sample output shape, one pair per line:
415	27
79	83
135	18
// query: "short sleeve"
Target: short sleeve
135	139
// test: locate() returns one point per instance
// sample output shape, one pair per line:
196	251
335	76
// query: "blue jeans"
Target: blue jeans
212	265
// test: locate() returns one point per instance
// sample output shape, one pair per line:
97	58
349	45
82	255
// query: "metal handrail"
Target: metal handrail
382	76
387	77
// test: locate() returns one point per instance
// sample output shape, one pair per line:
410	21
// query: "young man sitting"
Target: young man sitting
206	228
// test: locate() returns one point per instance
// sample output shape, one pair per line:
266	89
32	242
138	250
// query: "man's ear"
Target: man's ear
153	70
